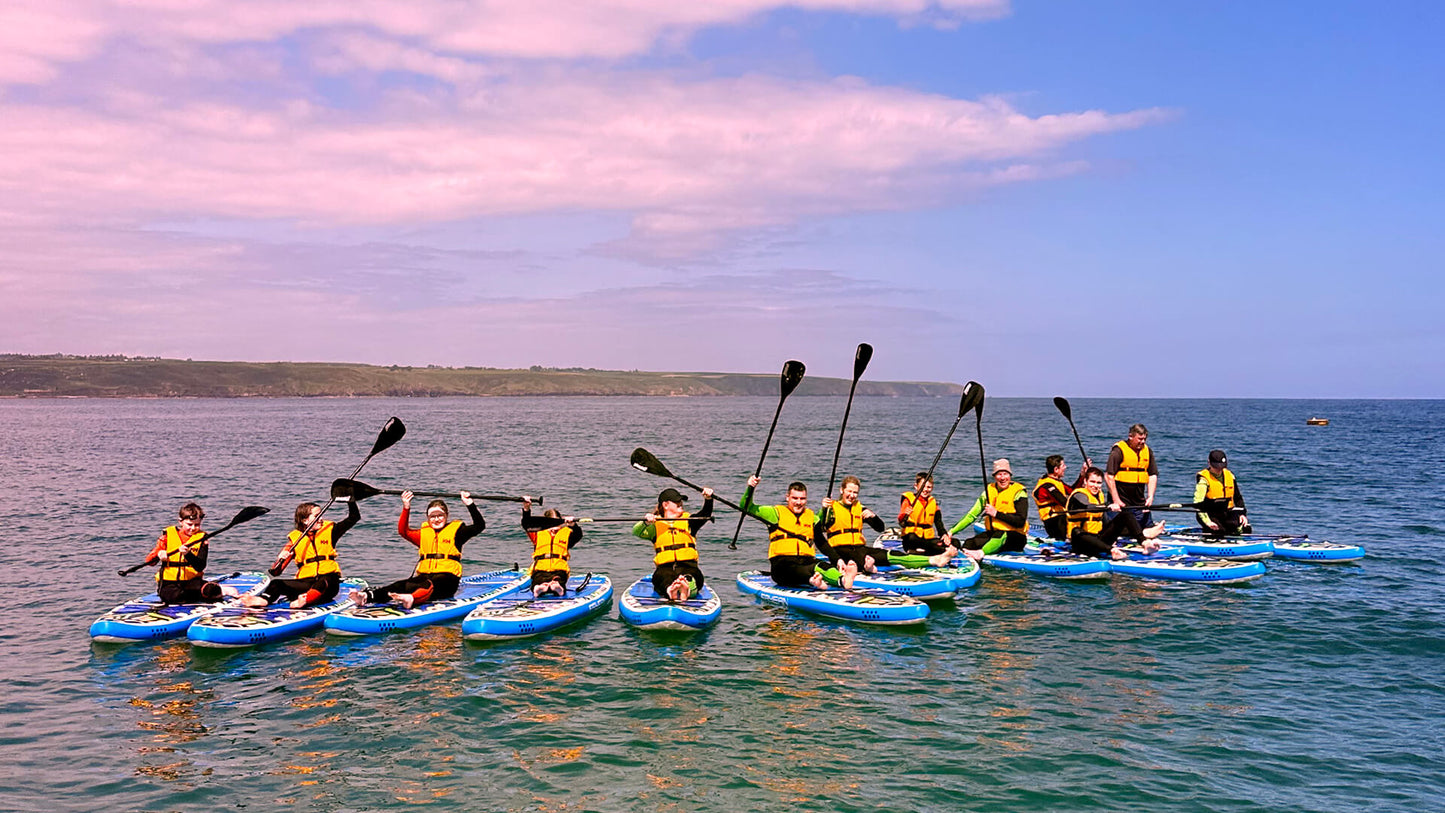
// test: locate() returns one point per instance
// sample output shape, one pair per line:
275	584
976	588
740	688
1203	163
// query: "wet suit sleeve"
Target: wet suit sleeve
479	524
938	524
353	516
645	530
696	521
531	523
1201	488
766	513
403	527
1054	494
820	532
876	523
1238	496
971	517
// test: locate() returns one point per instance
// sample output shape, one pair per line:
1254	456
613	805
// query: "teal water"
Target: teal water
1316	688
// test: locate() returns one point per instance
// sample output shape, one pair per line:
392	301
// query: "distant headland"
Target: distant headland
67	376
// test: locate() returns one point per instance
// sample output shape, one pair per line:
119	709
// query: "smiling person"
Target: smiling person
672	532
553	537
439	550
1004	506
318	574
182	552
1051	495
839	535
792	559
922	520
1090	535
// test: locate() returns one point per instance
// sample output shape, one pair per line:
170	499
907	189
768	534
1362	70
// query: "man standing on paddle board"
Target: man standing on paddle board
922	520
439	548
1051	495
182	552
673	534
1004	505
1215	486
318	574
839	535
791	556
553	537
1132	474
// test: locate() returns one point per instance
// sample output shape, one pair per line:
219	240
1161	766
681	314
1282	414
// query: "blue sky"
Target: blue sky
1131	199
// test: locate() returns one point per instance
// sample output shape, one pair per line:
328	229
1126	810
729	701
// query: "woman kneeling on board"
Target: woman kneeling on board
439	548
313	545
1090	535
553	537
672	532
182	552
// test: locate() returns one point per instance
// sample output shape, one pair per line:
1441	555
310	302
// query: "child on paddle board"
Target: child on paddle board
553	537
182	552
839	535
672	532
1004	505
318	574
922	521
1090	535
439	544
792	559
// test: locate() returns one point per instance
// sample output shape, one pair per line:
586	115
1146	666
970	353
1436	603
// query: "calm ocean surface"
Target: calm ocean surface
1315	688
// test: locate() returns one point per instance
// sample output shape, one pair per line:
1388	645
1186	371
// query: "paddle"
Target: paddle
972	398
860	363
1062	404
792	375
246	514
644	461
1173	506
344	489
639	519
978	426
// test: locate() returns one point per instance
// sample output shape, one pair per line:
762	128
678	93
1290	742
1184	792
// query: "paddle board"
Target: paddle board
390	617
642	607
866	606
148	618
238	626
517	614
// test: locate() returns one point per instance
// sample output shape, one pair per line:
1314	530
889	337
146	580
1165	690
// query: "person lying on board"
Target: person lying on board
182	552
318	573
553	537
839	536
1090	535
439	544
1004	506
921	520
673	534
1215	486
792	559
1051	495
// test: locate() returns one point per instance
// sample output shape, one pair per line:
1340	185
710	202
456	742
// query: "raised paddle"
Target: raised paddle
792	375
978	426
246	514
860	363
1062	404
644	461
971	399
641	519
345	489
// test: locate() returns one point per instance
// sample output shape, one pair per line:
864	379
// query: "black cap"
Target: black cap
1217	458
671	495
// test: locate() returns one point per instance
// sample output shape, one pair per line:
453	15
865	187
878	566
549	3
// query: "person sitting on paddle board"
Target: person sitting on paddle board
439	544
318	575
1051	495
182	552
553	537
1090	535
1004	505
1215	486
1132	474
791	556
839	535
672	532
922	521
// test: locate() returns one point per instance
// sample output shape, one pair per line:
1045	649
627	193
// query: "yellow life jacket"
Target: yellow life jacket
919	520
1219	489
674	541
551	549
173	565
315	554
793	535
439	551
846	526
1091	522
1004	501
1135	466
1048	508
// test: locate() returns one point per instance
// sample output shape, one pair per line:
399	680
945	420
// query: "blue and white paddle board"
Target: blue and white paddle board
150	619
1304	549
865	605
1187	568
642	607
390	617
238	626
517	614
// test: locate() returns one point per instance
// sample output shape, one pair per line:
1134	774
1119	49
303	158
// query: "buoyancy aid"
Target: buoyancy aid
552	549
315	554
1005	502
919	519
793	533
1135	466
1047	504
173	562
674	541
1091	522
439	551
846	525
1220	490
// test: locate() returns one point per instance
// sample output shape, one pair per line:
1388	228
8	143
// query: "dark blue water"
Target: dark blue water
1315	688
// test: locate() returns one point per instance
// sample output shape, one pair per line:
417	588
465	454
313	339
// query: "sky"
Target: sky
1230	199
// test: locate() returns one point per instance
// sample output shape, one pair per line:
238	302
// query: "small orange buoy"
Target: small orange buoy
1318	421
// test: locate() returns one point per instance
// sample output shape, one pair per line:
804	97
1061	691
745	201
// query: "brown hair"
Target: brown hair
1138	429
303	512
191	511
1052	462
1093	470
438	504
851	479
919	478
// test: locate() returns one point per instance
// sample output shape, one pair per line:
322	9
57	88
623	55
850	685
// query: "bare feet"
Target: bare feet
869	566
404	599
1153	531
680	589
941	560
229	592
253	601
1116	554
817	581
298	603
357	597
849	573
975	555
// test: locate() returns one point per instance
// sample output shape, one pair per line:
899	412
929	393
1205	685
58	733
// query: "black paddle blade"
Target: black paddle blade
861	359
247	514
792	376
644	461
1062	404
393	431
974	392
355	490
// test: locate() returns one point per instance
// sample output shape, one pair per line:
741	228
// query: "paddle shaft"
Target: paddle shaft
1067	410
244	515
758	472
456	496
392	431
860	363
